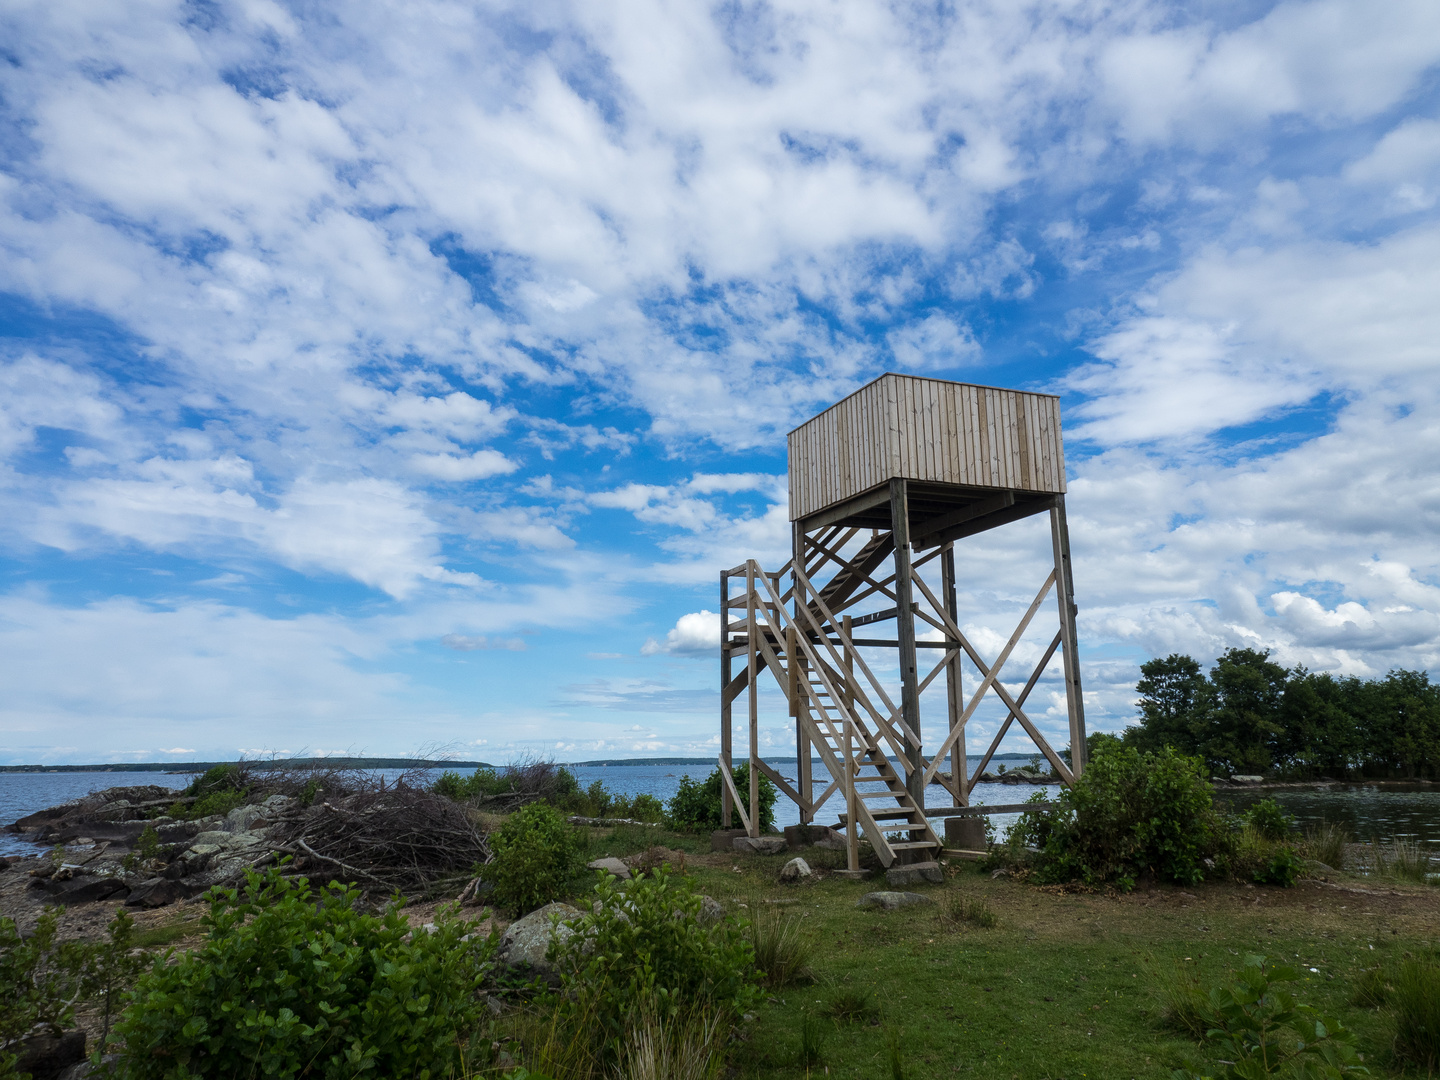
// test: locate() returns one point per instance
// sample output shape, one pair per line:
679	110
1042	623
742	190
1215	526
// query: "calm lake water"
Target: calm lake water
1371	812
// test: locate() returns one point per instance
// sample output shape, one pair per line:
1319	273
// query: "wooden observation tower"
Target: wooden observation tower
882	486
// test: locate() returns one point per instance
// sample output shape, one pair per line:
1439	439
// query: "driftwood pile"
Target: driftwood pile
399	837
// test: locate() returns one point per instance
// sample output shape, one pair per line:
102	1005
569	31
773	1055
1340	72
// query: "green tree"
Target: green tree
1244	732
1175	704
1399	720
1320	736
696	807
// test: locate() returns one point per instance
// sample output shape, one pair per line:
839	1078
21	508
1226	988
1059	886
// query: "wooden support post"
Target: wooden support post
954	686
852	812
752	638
726	808
800	710
799	696
905	626
1069	647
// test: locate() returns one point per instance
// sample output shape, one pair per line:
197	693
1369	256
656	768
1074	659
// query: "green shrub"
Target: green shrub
147	847
1130	814
43	978
651	946
1414	1000
695	807
537	858
1271	822
1261	1029
1280	870
221	789
294	982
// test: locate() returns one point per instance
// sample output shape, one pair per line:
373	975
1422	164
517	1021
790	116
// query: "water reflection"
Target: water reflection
1372	812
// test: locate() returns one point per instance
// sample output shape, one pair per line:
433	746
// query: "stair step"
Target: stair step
912	845
880	794
886	815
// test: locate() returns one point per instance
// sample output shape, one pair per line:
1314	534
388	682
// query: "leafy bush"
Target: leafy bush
537	858
218	791
1261	1029
650	946
696	807
42	978
296	982
1414	999
1130	814
147	847
597	801
1281	870
1271	822
530	778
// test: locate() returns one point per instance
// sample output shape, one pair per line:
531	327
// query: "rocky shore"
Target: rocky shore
106	848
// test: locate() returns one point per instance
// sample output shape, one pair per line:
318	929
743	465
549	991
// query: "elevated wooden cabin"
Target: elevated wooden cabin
883	484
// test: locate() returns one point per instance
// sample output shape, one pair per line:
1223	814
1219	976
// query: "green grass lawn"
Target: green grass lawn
1065	984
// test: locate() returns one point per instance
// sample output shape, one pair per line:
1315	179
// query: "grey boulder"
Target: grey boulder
524	944
611	865
759	845
796	869
914	873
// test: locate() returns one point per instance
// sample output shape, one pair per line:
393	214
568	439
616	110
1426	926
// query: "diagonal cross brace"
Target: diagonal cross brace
991	681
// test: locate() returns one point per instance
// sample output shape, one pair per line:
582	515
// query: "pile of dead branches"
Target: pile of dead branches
394	837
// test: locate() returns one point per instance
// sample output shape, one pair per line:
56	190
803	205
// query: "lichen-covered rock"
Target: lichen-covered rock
246	818
891	901
914	873
796	869
524	944
711	910
759	845
611	866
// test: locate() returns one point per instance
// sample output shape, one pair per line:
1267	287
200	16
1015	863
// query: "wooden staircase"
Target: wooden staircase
850	720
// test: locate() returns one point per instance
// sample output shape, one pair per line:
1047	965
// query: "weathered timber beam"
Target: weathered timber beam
926	530
867	500
1018	512
874	617
983	811
784	785
735	686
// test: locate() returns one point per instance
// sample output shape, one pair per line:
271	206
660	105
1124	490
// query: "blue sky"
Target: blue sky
383	377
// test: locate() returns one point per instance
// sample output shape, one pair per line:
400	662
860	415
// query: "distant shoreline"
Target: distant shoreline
375	763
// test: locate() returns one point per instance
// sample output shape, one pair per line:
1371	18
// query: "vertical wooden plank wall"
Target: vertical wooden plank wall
929	430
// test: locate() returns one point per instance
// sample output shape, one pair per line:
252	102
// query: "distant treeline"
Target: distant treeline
1250	715
279	763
